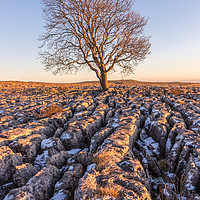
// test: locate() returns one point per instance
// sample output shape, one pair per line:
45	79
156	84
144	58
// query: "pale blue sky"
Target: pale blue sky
173	24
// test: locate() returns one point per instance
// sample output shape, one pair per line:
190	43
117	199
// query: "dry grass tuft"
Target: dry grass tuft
173	190
101	160
113	192
176	91
180	102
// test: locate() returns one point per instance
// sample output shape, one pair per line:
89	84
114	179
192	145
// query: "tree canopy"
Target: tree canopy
99	34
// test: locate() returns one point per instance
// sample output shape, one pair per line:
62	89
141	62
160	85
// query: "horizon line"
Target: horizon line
109	80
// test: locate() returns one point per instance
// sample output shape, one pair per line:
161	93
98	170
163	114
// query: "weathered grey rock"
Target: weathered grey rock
109	115
41	127
177	114
81	107
52	151
174	120
131	189
153	164
72	139
142	147
39	186
144	109
58	160
189	116
67	112
65	187
119	173
3	142
141	158
61	117
99	137
143	135
58	132
52	143
148	122
82	115
8	161
23	118
183	160
92	107
62	195
153	146
158	132
143	118
175	152
28	146
23	173
41	160
70	178
99	186
84	157
4	189
46	111
191	178
178	128
15	194
91	125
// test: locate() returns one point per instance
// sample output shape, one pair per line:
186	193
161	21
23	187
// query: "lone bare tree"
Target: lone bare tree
99	34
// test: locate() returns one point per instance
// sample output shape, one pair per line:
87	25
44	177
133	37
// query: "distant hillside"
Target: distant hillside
111	82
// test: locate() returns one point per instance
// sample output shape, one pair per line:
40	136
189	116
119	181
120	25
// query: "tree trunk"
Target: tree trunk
104	81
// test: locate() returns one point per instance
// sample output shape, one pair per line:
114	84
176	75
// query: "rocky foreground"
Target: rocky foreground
77	142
